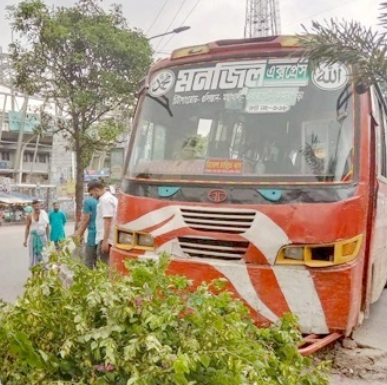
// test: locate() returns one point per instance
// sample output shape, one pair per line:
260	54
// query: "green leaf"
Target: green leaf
181	365
205	360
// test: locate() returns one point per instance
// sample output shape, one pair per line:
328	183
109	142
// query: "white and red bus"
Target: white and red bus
244	164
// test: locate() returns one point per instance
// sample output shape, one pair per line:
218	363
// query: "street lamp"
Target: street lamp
176	30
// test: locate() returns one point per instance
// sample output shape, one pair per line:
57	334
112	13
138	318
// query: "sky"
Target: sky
213	19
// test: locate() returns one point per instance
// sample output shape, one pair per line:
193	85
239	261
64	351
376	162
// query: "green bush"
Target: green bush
147	328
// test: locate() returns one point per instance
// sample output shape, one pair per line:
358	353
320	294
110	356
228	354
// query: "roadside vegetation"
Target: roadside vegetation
146	328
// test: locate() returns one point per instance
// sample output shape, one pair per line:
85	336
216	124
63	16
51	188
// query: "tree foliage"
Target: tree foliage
148	328
85	60
351	43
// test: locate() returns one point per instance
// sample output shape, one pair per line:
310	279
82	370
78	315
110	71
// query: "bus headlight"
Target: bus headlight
128	240
294	253
124	238
320	255
145	240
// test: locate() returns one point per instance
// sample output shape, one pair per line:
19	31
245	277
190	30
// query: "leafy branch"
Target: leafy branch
351	43
144	328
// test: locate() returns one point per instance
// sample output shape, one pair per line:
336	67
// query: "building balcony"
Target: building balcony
28	167
33	168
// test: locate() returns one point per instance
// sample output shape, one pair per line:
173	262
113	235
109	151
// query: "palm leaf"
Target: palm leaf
351	43
383	15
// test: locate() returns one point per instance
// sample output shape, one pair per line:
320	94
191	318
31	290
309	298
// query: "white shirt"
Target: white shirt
106	208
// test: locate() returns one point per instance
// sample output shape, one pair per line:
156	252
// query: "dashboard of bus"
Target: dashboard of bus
245	121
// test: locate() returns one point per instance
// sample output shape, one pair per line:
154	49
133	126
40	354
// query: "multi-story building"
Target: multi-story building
29	162
40	166
29	165
25	157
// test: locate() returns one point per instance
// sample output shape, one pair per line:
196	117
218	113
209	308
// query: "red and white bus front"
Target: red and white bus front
244	165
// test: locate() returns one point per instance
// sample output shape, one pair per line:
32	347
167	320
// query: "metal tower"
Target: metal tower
262	18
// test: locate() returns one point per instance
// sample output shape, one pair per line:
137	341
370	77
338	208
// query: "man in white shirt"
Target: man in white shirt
106	212
36	234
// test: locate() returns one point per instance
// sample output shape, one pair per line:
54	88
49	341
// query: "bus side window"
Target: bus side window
379	115
383	138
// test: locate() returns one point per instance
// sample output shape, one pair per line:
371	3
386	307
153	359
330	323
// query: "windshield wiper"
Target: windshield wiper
163	103
342	101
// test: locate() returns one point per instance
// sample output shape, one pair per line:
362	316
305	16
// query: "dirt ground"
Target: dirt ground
353	364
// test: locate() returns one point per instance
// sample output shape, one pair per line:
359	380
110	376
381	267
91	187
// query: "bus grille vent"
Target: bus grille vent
213	248
220	221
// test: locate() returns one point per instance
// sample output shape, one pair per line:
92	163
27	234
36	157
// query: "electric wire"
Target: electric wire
182	23
158	15
171	23
162	49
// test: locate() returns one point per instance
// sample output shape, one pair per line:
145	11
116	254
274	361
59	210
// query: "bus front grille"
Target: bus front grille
213	248
218	220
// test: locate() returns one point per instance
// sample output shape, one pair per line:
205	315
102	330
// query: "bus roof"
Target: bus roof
230	47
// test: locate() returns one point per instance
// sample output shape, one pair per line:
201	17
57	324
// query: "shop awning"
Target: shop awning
31	185
24	197
11	200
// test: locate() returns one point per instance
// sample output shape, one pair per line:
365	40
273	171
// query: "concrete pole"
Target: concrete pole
3	115
35	153
18	158
50	191
20	173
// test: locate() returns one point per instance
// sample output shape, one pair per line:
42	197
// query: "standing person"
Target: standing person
57	220
89	214
36	234
106	211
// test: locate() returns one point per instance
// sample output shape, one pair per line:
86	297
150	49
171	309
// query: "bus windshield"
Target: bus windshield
249	121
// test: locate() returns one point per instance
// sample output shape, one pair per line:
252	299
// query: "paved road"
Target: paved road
373	337
14	272
373	332
14	261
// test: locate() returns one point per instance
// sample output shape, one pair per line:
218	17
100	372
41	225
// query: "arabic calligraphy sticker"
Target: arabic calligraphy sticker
162	83
330	77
